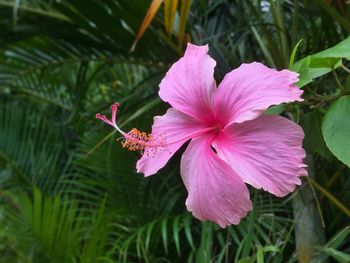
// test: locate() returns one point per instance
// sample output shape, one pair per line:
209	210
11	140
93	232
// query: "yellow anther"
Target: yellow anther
136	140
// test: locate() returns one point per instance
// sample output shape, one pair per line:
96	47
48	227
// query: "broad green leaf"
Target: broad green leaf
313	141
336	129
275	110
341	50
321	63
314	67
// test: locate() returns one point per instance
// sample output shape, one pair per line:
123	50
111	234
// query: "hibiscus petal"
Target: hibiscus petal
215	192
265	152
177	128
189	84
249	90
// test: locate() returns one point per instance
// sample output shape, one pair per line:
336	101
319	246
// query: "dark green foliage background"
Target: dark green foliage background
70	193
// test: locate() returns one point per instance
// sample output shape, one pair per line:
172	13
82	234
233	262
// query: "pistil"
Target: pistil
136	140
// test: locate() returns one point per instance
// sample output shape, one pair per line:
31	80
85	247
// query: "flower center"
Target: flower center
217	127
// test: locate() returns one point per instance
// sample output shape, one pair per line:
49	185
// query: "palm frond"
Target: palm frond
26	145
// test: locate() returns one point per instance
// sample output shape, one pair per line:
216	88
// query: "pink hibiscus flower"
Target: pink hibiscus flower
232	141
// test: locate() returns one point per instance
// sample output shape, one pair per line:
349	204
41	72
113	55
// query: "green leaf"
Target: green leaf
275	110
313	141
260	255
336	129
188	232
164	226
347	84
314	67
294	51
245	260
339	238
263	47
176	230
338	255
321	63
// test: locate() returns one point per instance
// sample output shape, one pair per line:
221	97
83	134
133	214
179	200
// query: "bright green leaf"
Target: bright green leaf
321	63
275	110
294	51
336	129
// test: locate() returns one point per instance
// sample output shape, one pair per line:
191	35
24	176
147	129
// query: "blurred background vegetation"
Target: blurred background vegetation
70	193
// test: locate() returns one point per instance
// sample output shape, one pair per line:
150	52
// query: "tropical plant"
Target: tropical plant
70	192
